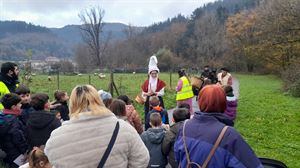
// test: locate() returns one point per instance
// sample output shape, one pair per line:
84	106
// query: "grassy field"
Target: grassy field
129	84
267	119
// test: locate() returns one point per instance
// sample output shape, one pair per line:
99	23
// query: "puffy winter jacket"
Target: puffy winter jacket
12	137
201	133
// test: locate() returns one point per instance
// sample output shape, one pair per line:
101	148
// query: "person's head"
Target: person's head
40	101
181	73
228	90
11	101
85	98
184	105
118	107
38	159
181	114
155	120
125	99
10	69
153	74
56	113
105	97
206	82
212	98
154	101
61	96
206	68
24	93
224	71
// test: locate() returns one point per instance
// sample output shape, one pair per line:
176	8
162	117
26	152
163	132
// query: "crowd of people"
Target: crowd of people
92	129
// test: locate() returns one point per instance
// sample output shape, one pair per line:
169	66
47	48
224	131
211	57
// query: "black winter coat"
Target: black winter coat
12	137
63	109
39	127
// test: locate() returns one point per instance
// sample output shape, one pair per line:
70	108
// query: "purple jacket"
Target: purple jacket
201	133
232	103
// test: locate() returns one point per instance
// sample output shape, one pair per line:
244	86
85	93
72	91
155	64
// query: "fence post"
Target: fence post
89	79
57	79
170	79
111	90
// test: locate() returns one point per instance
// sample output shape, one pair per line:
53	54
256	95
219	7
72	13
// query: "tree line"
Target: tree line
243	35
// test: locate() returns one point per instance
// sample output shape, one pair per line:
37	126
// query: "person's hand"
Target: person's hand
53	106
165	126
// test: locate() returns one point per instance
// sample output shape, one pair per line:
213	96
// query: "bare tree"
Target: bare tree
91	31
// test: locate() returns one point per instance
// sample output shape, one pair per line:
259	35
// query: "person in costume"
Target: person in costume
153	86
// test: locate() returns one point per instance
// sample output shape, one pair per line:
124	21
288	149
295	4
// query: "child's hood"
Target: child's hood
40	119
156	135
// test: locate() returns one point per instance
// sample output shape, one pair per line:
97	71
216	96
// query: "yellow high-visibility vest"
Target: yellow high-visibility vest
3	90
186	90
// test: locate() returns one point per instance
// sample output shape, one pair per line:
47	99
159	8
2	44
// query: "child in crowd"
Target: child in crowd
153	138
106	97
132	115
61	97
37	159
41	122
12	130
179	115
232	102
185	106
156	108
24	93
119	109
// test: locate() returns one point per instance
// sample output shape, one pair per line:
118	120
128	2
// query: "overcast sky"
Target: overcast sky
58	13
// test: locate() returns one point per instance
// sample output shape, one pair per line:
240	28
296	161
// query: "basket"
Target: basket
140	99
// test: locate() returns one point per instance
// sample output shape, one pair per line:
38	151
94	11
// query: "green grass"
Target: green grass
129	84
268	119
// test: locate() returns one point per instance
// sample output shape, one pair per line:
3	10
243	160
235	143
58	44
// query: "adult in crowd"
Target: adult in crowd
224	77
206	72
198	136
8	79
87	135
153	86
184	90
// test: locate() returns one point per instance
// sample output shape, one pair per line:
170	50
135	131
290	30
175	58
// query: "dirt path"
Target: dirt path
236	91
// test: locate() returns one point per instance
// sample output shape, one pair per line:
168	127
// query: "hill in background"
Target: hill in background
17	37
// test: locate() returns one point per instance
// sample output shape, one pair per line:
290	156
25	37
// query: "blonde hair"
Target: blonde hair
85	98
36	156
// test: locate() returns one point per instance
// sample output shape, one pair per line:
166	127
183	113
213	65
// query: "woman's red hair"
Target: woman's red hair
212	98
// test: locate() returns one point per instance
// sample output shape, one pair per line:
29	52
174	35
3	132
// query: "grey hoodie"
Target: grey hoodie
153	138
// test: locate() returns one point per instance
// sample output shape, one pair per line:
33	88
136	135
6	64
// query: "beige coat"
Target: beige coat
80	143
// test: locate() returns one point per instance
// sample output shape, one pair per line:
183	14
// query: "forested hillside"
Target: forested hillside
18	37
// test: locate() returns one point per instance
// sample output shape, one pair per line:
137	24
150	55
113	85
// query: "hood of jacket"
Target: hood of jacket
156	135
40	119
221	117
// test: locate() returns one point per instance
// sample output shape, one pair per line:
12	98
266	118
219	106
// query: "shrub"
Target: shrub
291	79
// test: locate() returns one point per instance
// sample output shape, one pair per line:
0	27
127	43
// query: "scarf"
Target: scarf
12	112
152	84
